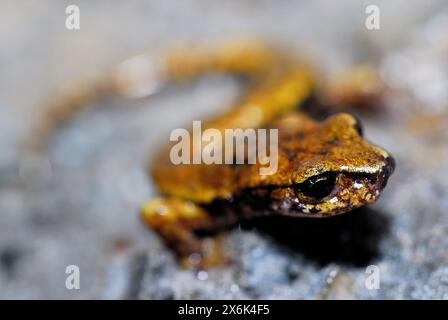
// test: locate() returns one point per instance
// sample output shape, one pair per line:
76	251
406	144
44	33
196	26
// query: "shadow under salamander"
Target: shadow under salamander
352	238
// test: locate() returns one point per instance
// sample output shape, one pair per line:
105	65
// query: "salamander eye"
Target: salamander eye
317	187
358	126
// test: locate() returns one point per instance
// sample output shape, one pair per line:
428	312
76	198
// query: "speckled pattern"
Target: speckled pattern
87	213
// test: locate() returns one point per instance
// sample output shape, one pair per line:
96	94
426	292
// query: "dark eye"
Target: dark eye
318	187
358	126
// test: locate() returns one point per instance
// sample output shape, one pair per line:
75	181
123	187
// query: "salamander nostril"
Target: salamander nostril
318	187
387	170
390	165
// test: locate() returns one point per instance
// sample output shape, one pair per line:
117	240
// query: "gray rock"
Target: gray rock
83	208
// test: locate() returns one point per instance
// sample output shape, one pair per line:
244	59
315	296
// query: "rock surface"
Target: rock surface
81	208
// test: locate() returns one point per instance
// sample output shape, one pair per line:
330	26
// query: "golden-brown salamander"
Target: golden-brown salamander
324	168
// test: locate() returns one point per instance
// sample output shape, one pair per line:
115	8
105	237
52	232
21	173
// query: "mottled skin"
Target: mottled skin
324	168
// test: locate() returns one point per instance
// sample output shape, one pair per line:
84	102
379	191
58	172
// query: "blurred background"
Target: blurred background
86	212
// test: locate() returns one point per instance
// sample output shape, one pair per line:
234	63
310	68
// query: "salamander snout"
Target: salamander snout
387	170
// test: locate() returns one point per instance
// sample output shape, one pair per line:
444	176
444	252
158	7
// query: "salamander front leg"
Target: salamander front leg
177	221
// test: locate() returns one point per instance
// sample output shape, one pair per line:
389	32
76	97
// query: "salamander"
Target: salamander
325	168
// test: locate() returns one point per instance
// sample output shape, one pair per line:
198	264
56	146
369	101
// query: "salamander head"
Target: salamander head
330	169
